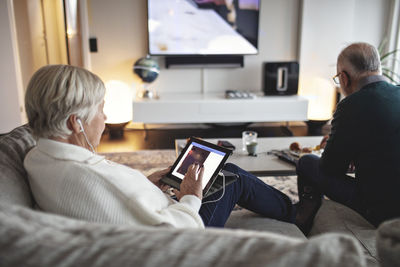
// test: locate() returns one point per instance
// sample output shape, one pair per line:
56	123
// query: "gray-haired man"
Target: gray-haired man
365	132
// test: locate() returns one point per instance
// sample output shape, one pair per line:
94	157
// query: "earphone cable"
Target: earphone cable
223	190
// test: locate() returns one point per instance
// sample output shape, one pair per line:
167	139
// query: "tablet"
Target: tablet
211	156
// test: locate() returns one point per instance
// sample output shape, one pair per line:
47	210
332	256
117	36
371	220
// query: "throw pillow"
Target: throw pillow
14	185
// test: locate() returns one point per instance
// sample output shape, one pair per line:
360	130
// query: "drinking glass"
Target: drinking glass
248	137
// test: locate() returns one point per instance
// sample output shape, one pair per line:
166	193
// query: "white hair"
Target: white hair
360	58
55	92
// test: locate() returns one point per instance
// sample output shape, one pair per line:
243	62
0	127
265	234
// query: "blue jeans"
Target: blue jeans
250	193
338	188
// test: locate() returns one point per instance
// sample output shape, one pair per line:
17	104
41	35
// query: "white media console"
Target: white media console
215	108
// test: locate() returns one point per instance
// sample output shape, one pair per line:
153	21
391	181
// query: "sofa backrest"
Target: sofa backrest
14	185
34	238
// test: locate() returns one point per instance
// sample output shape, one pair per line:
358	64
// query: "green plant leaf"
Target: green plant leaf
391	75
393	59
391	72
389	53
382	45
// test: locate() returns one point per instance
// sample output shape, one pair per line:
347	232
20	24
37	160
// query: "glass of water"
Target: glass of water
248	137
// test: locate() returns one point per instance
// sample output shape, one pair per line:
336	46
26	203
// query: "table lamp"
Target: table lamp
321	95
117	107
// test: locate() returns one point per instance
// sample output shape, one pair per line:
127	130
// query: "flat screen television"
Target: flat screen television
203	27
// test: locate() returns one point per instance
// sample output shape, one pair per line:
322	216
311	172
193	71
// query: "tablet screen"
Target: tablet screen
209	157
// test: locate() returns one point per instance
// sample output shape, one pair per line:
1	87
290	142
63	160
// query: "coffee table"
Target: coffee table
263	164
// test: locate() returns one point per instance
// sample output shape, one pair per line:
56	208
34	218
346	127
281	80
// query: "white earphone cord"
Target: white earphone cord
87	140
223	191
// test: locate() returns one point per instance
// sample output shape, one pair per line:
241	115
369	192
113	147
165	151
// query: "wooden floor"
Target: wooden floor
140	139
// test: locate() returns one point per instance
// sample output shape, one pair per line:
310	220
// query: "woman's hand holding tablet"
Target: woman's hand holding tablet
156	177
202	153
192	182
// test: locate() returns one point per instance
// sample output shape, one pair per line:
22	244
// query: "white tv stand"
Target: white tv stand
215	108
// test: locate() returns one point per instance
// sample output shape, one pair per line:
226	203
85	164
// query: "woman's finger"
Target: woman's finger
177	193
193	171
194	166
200	176
164	187
165	171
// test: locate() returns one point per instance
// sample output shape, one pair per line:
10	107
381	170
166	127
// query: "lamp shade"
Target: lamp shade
118	102
321	95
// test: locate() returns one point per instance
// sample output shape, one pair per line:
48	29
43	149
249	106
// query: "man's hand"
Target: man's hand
352	167
156	177
323	142
192	182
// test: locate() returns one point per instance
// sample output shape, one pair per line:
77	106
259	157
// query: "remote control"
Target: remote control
237	94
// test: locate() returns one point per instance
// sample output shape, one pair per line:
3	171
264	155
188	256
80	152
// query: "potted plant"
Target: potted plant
387	60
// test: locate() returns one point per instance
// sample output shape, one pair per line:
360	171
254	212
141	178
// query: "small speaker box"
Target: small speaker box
280	78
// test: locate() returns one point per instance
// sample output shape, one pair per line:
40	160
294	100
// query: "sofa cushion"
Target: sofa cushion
245	219
14	185
335	217
34	238
388	243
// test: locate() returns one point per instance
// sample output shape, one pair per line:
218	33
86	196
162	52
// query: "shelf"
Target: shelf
215	108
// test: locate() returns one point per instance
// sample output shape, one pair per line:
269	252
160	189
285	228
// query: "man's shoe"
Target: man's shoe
307	208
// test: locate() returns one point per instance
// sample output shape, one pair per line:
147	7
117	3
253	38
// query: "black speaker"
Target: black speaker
204	61
280	78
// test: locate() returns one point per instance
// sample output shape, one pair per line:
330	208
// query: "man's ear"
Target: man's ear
346	79
346	84
73	124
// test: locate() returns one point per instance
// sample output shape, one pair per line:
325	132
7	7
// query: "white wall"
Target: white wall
120	27
329	26
371	20
11	95
326	28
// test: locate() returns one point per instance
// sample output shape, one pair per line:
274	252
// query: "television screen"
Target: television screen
203	27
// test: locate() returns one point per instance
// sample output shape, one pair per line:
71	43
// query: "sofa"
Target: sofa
31	237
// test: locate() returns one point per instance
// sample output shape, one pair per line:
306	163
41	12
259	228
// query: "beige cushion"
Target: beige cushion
14	185
334	217
32	238
388	243
245	219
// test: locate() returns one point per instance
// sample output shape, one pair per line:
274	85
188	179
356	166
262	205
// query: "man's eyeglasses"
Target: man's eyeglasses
336	78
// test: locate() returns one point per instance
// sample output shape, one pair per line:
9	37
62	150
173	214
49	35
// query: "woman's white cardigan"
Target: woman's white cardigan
72	181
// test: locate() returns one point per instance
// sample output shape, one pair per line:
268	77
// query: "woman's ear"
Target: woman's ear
73	125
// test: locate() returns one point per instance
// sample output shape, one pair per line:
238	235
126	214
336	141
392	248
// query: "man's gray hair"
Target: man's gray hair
360	58
55	92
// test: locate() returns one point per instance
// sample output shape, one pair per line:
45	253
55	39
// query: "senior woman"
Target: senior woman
64	105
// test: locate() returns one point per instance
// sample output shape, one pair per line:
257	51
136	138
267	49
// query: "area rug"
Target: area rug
149	161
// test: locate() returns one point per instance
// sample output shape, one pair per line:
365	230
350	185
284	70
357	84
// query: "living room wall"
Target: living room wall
326	28
120	28
320	43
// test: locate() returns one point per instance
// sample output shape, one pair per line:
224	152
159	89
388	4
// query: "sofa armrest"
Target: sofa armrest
245	219
388	243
